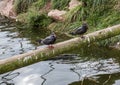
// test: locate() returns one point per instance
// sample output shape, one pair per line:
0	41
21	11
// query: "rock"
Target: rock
57	14
6	9
74	3
117	5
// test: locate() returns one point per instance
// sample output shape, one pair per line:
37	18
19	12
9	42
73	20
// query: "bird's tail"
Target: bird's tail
39	41
72	33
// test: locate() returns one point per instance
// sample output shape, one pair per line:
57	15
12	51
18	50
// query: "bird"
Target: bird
81	30
49	40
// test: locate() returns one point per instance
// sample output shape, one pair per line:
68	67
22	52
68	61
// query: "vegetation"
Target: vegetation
99	14
96	13
22	5
60	4
34	20
39	4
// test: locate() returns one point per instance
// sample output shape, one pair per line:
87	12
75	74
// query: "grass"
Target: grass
39	4
93	13
99	14
22	5
34	20
60	4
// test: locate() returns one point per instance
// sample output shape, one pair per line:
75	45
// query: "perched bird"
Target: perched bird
81	30
48	40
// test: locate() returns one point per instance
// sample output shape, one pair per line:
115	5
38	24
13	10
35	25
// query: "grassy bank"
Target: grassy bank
99	14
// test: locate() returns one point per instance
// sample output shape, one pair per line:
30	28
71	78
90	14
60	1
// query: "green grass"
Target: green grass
22	5
95	13
99	14
60	4
35	20
39	4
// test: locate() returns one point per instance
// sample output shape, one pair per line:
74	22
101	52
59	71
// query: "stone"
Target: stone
7	9
57	14
74	3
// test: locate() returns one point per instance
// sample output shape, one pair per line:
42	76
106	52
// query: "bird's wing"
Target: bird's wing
78	30
47	40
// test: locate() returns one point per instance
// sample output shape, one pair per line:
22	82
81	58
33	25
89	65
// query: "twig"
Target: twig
82	81
93	80
107	80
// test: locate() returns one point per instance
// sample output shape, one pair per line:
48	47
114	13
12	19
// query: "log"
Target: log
45	53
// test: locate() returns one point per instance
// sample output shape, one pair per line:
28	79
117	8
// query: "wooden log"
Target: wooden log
44	53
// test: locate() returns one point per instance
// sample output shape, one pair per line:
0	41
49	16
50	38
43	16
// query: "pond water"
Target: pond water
11	43
88	66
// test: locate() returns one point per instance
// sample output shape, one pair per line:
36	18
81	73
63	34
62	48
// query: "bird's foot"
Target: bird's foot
51	47
82	37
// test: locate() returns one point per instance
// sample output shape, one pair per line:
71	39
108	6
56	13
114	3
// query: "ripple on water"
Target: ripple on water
60	72
11	44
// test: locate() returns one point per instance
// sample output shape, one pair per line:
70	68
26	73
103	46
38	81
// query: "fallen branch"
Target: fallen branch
34	56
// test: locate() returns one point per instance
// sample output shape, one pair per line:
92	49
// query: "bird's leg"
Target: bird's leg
82	36
50	46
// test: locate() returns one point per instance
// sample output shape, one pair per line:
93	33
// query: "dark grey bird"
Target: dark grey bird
81	30
49	40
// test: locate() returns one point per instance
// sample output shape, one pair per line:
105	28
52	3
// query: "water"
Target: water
96	66
11	44
66	72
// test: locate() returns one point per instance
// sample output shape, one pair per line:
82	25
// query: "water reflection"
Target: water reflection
12	44
43	76
64	71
